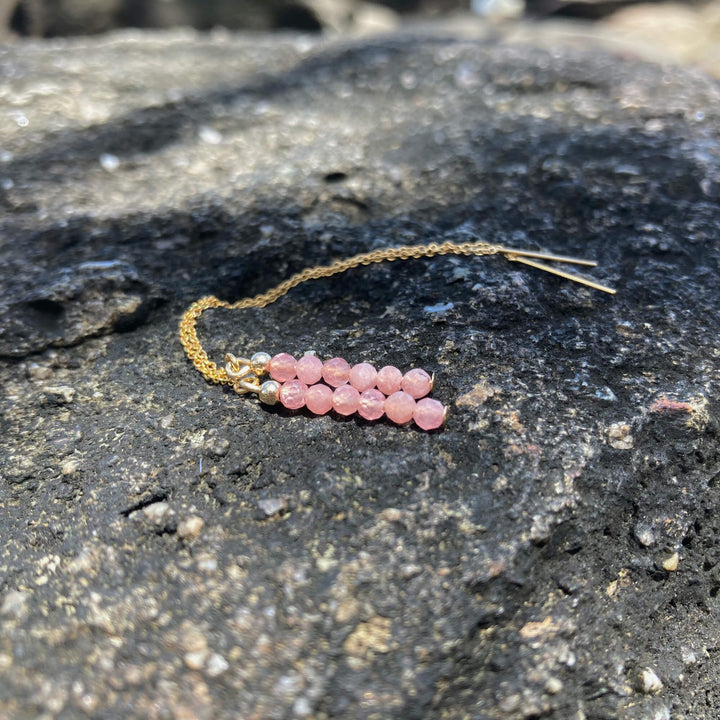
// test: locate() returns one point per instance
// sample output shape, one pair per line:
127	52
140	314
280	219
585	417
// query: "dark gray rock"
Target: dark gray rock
173	550
74	303
59	18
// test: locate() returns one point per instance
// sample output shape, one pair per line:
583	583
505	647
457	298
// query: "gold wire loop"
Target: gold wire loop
243	382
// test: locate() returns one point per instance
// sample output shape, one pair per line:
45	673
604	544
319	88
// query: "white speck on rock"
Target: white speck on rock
209	135
272	506
553	686
439	308
606	393
39	372
60	394
619	436
15	603
645	534
193	640
190	527
195	659
109	162
301	707
216	665
217	445
409	571
688	655
207	563
649	682
20	119
287	685
70	466
158	512
497	8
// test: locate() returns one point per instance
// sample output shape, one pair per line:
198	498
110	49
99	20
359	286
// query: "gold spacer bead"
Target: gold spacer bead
259	362
268	392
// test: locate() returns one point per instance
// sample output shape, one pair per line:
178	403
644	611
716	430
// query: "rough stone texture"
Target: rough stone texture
659	32
173	550
53	18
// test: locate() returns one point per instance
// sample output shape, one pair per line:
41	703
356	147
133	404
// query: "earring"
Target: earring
335	384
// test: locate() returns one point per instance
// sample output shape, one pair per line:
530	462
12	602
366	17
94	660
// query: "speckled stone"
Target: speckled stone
173	549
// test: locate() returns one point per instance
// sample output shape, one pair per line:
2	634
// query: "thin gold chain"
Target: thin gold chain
211	372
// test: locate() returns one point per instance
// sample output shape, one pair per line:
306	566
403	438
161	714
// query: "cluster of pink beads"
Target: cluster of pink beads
361	388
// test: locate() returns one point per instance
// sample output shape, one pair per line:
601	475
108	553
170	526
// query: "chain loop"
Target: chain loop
211	372
188	331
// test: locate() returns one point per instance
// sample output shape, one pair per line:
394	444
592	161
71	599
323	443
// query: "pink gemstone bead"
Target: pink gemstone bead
417	383
282	367
292	394
399	407
335	372
388	380
309	369
362	376
345	400
429	414
371	405
319	399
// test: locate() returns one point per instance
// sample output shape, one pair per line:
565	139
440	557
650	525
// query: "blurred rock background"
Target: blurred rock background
677	32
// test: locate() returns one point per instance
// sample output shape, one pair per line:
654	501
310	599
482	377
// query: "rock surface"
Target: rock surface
58	18
173	550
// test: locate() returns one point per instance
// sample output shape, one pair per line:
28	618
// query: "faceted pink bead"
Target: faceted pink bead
309	369
417	383
388	380
282	367
319	399
429	414
399	407
371	405
335	372
362	376
292	394
345	400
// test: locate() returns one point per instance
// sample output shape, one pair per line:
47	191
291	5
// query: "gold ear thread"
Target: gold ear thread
522	256
336	385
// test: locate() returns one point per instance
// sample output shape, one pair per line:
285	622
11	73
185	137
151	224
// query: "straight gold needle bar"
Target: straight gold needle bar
546	256
561	273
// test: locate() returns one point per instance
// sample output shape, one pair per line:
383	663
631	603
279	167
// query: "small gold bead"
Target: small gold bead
259	362
268	393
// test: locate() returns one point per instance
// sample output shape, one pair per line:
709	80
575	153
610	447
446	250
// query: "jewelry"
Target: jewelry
347	390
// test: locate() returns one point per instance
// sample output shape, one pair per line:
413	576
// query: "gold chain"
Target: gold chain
211	372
